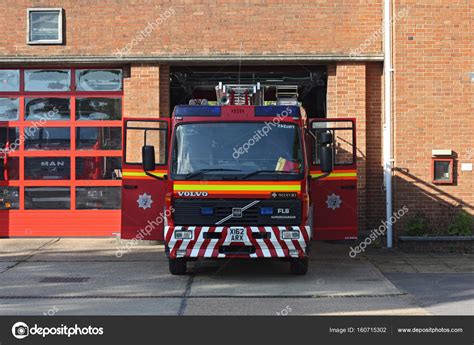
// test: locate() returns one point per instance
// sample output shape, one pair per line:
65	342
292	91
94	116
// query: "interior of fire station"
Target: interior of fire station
303	85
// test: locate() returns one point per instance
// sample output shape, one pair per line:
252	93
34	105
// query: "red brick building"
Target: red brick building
144	49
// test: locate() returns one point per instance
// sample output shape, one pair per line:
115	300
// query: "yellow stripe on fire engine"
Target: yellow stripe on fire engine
240	187
131	174
337	174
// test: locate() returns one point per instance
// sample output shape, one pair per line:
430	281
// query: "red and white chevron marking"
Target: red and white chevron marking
273	247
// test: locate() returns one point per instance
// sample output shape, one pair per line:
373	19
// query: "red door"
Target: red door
334	198
143	197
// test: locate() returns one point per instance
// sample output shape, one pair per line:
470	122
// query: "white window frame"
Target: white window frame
60	25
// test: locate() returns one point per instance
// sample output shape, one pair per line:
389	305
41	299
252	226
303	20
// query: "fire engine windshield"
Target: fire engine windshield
251	150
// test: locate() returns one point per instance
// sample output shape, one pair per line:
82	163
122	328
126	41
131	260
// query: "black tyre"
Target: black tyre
177	266
299	266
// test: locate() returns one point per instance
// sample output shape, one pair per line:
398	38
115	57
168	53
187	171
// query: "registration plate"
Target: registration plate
236	234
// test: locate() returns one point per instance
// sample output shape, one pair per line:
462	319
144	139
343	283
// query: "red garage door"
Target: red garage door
60	151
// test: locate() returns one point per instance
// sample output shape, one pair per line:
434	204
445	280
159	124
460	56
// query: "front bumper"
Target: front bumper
257	242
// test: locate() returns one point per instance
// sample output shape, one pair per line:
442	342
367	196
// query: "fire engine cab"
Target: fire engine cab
239	179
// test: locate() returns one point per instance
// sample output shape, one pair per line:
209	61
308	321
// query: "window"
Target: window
45	26
8	140
10	170
442	170
343	138
60	148
9	80
98	138
98	168
9	198
47	198
98	80
47	80
9	109
98	198
98	109
47	138
49	109
47	168
141	133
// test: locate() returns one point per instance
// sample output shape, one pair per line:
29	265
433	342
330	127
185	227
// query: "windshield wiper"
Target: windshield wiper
203	171
266	171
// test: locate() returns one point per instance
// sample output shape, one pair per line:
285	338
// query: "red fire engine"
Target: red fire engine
237	180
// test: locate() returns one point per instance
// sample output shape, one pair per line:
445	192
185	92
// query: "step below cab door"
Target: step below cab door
143	197
334	197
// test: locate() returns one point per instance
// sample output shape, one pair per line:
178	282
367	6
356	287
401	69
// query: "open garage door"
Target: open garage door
191	83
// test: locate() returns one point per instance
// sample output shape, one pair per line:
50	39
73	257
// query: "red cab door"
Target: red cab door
334	198
143	197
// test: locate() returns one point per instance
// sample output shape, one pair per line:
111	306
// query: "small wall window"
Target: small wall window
442	170
45	26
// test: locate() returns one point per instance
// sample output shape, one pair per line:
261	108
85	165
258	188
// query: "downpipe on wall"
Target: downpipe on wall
387	129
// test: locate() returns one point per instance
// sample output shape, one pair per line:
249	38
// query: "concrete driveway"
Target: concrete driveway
85	277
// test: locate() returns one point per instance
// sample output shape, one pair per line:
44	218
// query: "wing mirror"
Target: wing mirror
325	151
148	158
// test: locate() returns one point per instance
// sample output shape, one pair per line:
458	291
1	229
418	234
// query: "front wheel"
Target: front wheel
177	266
299	266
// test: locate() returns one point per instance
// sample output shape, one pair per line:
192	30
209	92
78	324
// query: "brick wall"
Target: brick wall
434	106
433	103
146	94
142	91
347	98
165	110
374	110
198	27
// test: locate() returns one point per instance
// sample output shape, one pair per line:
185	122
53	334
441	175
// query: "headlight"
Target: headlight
183	235
290	235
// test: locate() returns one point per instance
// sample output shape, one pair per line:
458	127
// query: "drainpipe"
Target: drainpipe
387	129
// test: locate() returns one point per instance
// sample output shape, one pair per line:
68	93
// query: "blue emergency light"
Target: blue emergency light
196	110
275	110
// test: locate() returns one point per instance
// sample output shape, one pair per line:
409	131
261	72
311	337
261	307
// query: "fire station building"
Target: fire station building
70	71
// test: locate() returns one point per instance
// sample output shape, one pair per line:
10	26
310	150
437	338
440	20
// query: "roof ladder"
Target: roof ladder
287	94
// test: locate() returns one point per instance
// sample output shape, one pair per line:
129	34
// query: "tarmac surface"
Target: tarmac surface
72	276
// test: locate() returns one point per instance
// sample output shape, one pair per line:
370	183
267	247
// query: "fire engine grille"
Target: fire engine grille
266	212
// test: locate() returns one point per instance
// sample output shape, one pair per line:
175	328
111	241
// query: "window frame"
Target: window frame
145	130
333	131
21	123
59	11
450	162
